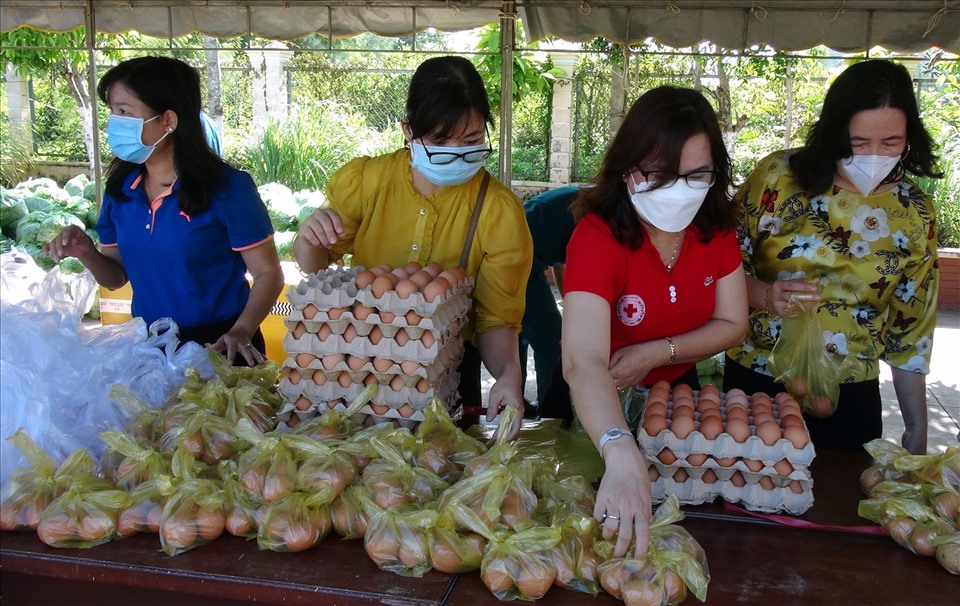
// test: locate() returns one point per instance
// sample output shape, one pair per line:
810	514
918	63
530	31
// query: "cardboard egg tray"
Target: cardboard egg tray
725	456
441	321
386	392
327	289
455	301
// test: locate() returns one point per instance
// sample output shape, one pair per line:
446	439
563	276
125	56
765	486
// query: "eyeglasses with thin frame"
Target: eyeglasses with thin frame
472	157
697	179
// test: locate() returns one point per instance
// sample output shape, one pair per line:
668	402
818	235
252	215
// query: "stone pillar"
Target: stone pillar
561	123
18	109
269	85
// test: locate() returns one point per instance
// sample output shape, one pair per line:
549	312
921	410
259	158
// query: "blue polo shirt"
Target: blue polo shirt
188	268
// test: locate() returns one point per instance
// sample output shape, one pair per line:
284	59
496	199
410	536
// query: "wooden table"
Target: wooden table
751	561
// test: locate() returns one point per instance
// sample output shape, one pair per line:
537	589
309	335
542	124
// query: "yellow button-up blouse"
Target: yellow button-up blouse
874	257
386	220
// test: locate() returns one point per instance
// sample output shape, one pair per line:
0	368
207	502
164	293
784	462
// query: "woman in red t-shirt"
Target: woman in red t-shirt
653	283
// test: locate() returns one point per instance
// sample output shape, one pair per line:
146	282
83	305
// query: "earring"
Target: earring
169	130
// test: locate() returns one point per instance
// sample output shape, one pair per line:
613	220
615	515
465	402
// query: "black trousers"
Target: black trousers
858	418
209	333
557	405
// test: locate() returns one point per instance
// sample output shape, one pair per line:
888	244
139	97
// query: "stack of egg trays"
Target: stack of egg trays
335	288
792	493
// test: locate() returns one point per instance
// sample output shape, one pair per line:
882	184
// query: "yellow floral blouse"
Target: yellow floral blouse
874	256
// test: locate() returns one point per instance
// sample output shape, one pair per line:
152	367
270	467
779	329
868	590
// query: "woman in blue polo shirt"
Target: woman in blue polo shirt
177	222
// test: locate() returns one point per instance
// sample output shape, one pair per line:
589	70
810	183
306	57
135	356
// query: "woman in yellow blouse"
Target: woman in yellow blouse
416	204
841	211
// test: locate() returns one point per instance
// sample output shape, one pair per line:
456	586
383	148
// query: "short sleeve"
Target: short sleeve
595	260
244	213
727	248
346	194
106	228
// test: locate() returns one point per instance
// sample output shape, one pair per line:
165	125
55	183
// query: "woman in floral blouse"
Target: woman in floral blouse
841	213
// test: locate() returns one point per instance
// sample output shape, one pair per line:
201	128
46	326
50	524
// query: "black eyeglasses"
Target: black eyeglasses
472	157
698	179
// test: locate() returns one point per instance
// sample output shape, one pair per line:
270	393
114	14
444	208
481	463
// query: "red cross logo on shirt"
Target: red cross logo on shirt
630	309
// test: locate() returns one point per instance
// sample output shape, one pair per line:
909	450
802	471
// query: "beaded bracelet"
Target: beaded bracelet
766	299
673	351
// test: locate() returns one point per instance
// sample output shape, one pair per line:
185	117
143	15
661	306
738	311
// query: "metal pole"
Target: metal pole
94	101
506	92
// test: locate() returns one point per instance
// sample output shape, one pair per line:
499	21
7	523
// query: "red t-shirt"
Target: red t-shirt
647	302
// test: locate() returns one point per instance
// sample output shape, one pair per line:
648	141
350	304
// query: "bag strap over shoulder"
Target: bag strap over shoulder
465	255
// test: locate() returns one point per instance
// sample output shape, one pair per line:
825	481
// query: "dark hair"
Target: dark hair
658	126
165	84
444	93
867	85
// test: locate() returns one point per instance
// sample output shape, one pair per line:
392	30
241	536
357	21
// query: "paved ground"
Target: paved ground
943	388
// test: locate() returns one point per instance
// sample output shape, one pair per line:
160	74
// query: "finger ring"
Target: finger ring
610	517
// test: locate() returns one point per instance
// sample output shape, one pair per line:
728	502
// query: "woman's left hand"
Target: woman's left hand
238	342
629	365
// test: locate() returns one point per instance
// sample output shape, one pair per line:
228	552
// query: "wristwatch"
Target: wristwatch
611	434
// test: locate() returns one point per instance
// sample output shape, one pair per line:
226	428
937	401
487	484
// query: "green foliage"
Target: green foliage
305	149
18	159
531	75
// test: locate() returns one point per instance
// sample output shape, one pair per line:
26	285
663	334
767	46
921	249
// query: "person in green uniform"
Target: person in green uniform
550	222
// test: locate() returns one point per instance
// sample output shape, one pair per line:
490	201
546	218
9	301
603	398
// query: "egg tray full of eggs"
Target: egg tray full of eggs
403	409
707	444
373	340
395	385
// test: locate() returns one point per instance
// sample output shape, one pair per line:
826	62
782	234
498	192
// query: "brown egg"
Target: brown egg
298	330
344	379
799	388
324	332
427	339
396	383
331	360
696	459
790	407
711	412
409	367
310	311
820	407
654	473
796	487
294	376
783	467
421	279
379	409
412	267
406	411
682	391
682	411
711	427
797	436
350	333
376	335
737	479
753	465
369	379
402	338
423	386
726	461
382	285
412	318
382	364
303	403
704	405
379	270
433	268
387	317
766	483
710	392
319	378
667	457
680	476
762	417
681	426
436	289
736	395
357	362
760	397
738	429
684	402
405	288
655	408
654	424
791	420
361	311
709	477
400	273
769	432
365	278
737	413
304	359
781	397
336	312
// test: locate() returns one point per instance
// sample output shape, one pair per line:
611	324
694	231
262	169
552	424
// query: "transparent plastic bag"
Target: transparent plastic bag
801	361
397	540
296	522
520	566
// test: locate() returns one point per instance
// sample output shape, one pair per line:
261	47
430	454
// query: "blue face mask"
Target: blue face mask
125	137
453	173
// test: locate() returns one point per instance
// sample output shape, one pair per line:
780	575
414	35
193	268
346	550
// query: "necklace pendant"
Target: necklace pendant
673	293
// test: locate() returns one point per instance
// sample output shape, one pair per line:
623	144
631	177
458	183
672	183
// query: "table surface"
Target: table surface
751	561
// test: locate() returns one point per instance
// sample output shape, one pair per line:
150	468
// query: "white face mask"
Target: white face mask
669	209
866	172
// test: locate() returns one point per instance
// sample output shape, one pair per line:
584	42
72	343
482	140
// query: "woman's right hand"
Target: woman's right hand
322	228
625	494
71	242
781	290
